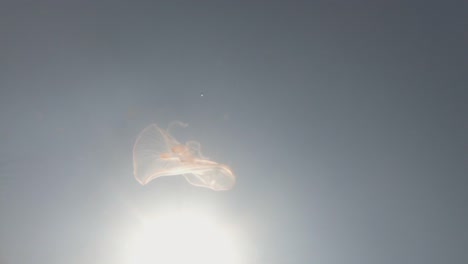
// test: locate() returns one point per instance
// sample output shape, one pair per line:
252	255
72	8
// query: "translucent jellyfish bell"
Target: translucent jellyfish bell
156	153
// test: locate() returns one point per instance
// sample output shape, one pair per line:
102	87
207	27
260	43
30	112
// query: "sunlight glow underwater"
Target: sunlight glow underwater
182	238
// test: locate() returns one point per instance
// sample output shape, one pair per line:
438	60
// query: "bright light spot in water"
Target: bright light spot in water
183	238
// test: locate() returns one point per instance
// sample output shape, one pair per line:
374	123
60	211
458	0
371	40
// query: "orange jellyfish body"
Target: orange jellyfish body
156	153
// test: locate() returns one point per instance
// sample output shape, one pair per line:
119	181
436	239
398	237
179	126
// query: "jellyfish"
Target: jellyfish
157	153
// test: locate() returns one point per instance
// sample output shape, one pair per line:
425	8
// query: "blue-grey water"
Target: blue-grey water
345	123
